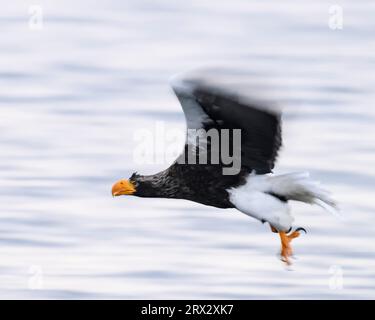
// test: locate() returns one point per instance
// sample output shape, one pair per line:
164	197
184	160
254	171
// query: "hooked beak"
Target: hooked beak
123	187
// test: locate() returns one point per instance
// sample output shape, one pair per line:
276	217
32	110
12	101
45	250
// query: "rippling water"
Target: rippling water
72	95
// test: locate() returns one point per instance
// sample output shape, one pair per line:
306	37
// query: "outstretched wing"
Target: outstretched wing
207	107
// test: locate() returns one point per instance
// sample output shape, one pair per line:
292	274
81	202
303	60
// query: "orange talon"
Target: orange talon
286	239
286	248
293	235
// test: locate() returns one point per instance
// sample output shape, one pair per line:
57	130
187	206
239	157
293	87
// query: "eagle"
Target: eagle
223	125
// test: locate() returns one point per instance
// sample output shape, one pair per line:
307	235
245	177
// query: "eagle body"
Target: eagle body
251	187
190	182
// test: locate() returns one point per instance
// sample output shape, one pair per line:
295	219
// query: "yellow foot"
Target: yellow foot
286	248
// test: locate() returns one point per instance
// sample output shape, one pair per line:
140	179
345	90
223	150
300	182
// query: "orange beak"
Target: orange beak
123	187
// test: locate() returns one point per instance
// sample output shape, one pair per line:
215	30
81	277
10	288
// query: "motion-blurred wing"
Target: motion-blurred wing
207	107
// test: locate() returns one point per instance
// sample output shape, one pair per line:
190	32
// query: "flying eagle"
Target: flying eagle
252	189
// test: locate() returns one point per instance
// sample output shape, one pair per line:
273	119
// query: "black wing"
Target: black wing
207	107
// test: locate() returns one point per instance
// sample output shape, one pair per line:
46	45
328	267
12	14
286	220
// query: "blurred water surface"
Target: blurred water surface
72	95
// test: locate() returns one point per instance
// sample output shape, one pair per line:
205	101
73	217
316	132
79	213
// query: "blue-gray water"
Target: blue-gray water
72	95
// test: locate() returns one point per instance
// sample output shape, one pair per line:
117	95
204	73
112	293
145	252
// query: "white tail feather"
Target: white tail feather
299	187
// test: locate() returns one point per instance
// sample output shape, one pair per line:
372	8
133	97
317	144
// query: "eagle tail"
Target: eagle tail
299	187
